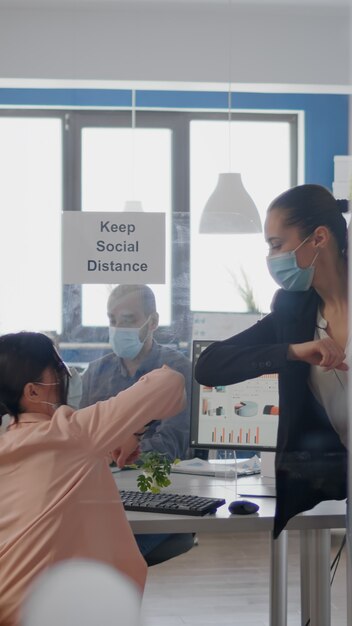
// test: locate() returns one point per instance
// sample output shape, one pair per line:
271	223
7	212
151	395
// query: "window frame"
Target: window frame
178	121
75	122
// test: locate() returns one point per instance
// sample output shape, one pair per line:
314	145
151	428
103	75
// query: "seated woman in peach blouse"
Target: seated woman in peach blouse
58	498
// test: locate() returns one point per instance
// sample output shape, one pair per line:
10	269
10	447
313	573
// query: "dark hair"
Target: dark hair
310	206
144	292
23	358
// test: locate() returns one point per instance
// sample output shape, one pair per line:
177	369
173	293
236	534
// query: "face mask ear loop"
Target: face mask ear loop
316	256
141	328
301	244
145	323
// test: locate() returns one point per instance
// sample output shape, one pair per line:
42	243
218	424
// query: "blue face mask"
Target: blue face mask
286	272
125	342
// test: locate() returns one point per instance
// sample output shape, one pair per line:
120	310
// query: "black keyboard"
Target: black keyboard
173	503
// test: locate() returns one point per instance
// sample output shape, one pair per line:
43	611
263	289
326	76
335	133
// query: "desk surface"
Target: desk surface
330	514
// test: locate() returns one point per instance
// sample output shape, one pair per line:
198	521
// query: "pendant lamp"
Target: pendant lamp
230	209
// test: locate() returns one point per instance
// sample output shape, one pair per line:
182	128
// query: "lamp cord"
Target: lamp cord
133	109
133	119
334	566
229	99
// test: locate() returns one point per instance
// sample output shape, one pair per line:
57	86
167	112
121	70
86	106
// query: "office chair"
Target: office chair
175	545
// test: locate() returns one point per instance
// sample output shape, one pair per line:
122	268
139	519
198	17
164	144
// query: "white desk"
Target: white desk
314	527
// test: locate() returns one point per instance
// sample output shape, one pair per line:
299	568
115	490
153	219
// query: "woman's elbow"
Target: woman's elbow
202	373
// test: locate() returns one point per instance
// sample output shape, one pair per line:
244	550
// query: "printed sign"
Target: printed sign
104	248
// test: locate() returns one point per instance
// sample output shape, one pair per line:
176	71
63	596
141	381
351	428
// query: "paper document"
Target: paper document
223	468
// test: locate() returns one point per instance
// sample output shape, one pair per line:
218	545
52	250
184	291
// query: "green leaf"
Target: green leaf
144	482
158	466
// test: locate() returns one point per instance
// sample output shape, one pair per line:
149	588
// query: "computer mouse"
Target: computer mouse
243	507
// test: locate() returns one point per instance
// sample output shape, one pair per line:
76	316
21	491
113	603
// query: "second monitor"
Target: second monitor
240	416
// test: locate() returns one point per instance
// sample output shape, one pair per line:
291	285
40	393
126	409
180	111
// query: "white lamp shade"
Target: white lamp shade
133	205
230	209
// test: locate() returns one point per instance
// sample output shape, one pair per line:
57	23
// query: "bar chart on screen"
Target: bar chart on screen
243	414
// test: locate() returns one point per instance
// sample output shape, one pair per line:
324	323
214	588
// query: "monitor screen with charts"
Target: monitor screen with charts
240	416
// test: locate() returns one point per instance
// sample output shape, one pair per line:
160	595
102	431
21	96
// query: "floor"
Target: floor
225	580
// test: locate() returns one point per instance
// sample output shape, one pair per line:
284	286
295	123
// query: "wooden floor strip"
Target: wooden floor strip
225	580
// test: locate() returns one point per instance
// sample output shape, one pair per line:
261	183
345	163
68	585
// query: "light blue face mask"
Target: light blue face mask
286	272
125	342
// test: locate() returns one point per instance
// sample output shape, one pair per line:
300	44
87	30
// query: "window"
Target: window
31	204
120	164
95	161
222	266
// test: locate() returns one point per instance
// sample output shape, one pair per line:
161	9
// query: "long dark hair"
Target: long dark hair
310	206
23	358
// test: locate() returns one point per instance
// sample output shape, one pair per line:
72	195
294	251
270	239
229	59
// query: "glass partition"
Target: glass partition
93	162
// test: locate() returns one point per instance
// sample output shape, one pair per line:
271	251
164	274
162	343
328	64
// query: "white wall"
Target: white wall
177	42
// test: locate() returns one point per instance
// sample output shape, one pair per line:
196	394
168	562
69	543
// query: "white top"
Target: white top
330	387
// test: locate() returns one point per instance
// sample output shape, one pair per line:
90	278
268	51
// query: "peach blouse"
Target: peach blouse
58	498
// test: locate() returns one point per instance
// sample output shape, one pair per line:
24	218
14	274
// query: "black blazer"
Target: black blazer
311	461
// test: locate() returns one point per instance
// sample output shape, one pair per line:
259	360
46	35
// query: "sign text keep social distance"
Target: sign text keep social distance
126	248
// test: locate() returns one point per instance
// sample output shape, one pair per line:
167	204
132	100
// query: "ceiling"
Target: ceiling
111	3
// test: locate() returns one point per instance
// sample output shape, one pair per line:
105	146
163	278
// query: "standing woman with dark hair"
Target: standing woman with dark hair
305	340
58	498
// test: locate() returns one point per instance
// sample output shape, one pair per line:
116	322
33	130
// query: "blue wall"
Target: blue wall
326	116
326	120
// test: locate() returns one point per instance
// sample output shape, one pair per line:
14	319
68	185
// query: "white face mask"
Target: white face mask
125	342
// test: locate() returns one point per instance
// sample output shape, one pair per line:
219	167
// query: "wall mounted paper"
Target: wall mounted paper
112	248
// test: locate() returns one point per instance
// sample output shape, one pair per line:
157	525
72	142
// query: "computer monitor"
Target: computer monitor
243	416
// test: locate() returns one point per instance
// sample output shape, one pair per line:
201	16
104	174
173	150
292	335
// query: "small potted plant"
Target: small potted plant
156	468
